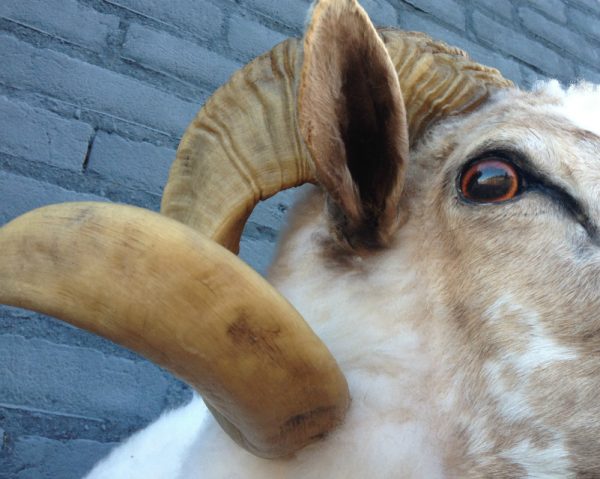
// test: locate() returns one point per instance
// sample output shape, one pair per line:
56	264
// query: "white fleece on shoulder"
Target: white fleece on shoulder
158	451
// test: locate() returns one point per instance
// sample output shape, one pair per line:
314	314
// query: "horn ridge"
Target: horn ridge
218	176
463	83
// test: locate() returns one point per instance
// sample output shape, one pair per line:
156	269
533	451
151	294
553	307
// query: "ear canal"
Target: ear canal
353	120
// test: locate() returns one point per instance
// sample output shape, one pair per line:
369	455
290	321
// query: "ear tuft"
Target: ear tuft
353	120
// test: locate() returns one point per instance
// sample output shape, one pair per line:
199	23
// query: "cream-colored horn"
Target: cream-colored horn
169	293
244	145
437	80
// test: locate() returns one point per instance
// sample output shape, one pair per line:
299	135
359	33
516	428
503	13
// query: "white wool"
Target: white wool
579	103
363	447
158	451
386	434
542	463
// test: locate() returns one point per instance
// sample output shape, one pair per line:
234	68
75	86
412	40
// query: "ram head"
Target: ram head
448	258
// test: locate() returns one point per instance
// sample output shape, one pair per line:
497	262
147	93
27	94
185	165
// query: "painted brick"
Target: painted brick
29	324
126	162
519	45
585	23
502	8
295	12
555	9
509	68
427	24
197	16
90	86
20	194
39	135
258	244
175	56
381	12
250	38
271	213
66	19
530	76
29	368
589	75
448	11
290	12
257	253
40	458
591	5
560	36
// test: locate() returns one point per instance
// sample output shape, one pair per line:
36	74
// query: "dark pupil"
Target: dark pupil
489	183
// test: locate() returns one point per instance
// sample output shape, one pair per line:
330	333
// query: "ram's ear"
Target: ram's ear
353	120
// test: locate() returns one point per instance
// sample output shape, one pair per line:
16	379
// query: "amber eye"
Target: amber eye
490	180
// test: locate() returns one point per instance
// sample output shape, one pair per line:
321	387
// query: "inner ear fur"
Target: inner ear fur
353	120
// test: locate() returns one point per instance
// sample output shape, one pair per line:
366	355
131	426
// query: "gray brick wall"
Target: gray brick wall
94	96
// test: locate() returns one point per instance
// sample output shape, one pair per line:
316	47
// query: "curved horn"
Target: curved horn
437	80
244	145
166	292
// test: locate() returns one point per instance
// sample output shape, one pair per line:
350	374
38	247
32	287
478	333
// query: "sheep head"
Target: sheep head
479	322
520	275
483	305
467	216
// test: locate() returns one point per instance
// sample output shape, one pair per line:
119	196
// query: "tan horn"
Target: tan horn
169	293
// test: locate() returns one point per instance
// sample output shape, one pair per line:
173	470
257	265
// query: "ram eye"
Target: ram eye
490	180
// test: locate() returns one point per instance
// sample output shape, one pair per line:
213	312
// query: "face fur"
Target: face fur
519	280
479	323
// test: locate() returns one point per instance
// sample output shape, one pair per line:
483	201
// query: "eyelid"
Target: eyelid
530	173
514	157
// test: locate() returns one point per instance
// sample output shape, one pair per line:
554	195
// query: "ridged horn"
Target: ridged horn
242	147
169	293
244	144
